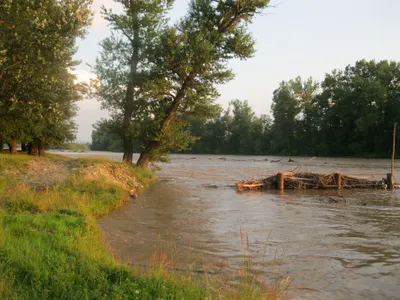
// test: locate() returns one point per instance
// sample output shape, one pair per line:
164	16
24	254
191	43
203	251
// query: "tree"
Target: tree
37	89
107	135
285	109
217	134
358	107
192	60
305	93
241	128
261	134
124	65
236	131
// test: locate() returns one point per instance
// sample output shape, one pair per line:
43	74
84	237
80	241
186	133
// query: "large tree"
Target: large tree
124	66
192	61
37	89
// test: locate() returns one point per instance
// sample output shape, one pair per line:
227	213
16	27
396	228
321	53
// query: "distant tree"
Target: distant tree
236	131
241	128
285	109
305	93
358	107
261	135
217	134
107	135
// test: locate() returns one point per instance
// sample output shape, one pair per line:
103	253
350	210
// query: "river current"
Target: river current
330	250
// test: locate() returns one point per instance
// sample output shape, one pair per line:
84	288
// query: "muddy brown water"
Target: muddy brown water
330	250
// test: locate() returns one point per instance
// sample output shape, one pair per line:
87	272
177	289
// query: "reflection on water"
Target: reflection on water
344	250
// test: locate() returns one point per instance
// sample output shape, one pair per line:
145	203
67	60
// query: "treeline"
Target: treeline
38	92
350	113
76	147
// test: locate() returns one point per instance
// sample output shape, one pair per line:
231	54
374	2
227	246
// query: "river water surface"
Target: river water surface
345	250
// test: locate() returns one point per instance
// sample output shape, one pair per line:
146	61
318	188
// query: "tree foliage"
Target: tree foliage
37	89
124	65
156	75
350	113
192	60
107	136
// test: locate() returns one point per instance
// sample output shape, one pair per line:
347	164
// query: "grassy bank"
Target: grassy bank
52	248
50	245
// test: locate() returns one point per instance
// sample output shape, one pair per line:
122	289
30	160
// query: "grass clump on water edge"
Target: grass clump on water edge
51	246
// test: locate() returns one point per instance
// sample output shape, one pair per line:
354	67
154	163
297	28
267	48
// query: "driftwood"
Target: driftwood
306	180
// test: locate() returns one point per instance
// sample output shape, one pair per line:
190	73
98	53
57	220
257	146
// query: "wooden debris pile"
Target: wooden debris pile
306	180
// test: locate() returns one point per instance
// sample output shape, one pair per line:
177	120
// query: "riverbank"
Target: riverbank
52	248
50	244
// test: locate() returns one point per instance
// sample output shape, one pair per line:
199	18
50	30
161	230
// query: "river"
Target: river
345	250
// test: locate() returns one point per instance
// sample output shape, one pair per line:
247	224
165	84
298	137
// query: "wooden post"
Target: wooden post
391	182
338	180
280	181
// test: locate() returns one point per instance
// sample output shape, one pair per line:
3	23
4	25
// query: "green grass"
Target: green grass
52	248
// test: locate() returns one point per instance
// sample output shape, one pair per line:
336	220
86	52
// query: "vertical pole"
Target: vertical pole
391	186
280	181
338	180
389	180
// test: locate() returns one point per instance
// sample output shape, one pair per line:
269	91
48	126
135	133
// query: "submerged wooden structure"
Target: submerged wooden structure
307	180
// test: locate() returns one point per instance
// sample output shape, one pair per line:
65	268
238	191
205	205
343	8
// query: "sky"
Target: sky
306	38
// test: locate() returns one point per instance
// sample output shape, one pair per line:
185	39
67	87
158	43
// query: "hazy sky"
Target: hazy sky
295	37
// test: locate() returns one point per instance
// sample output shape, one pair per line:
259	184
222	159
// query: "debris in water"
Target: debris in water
306	180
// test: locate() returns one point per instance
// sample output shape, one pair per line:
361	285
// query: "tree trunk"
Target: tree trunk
144	157
128	150
143	160
32	149
129	97
1	146
13	147
128	111
41	147
23	147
